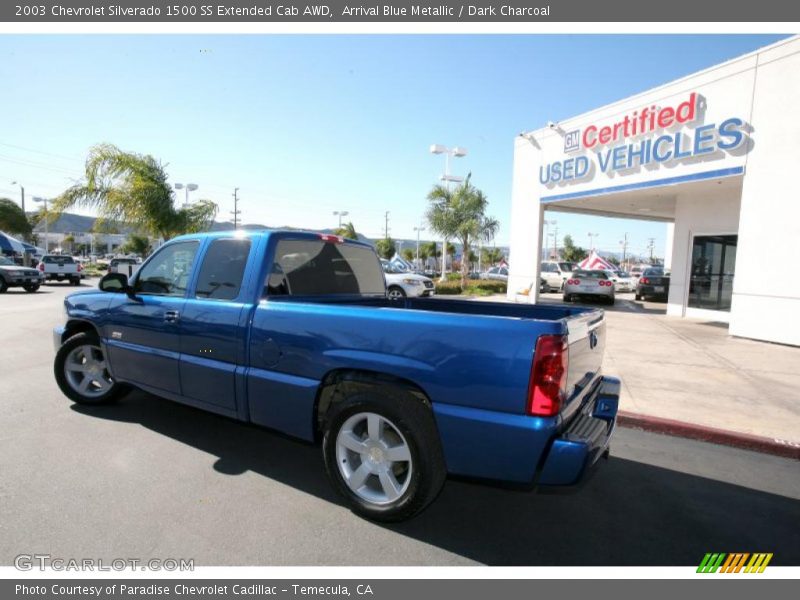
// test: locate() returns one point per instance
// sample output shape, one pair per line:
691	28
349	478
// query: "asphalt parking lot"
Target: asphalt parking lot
152	479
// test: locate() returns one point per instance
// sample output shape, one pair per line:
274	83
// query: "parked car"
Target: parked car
589	284
623	282
123	265
401	284
294	331
654	282
58	267
556	273
496	274
13	275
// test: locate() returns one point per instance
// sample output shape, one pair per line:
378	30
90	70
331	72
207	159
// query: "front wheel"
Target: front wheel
396	293
382	454
31	288
82	373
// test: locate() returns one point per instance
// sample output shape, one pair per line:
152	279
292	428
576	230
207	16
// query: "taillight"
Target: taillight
80	267
41	267
548	384
574	281
645	280
606	283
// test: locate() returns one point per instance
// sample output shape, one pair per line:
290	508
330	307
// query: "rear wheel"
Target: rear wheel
3	286
82	373
75	281
567	298
31	288
638	296
382	454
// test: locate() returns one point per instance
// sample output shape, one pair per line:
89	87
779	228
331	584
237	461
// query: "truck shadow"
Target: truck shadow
630	514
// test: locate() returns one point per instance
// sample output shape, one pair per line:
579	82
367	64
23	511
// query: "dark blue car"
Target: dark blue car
294	331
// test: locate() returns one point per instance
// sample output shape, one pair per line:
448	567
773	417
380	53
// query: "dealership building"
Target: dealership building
716	156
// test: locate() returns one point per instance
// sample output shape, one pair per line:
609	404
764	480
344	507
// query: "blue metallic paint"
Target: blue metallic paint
263	361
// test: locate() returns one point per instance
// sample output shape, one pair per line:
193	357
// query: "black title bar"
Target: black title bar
142	11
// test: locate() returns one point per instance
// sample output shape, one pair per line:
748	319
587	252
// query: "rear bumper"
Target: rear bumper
649	290
526	451
586	439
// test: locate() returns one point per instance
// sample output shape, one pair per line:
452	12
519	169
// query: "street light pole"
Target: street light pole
189	187
21	193
340	213
418	229
456	152
591	241
46	224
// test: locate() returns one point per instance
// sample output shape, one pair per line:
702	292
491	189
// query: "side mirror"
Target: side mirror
116	283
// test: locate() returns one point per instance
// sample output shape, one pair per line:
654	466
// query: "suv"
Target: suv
123	265
555	274
13	275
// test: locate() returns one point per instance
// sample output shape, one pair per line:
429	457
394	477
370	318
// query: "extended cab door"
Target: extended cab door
143	334
214	325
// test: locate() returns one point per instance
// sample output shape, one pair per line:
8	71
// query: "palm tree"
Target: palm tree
460	214
132	188
348	230
385	248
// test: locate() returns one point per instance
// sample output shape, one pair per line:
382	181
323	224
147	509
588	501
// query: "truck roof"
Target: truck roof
257	233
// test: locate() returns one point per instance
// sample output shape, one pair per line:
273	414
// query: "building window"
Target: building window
713	266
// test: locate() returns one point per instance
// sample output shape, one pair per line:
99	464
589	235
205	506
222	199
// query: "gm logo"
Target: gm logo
733	563
572	141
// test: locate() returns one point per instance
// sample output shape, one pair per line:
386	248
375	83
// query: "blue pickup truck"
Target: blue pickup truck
294	331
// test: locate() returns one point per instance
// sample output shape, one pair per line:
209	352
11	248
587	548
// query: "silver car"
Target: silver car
593	284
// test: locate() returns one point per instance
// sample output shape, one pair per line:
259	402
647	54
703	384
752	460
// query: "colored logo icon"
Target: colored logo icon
735	562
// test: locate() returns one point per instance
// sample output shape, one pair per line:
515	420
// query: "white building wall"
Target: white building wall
766	302
707	215
669	241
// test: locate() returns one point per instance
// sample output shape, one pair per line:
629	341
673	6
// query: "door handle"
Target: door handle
172	316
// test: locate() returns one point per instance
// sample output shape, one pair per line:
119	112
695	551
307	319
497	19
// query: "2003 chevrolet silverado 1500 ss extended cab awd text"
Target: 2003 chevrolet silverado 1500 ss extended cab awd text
294	331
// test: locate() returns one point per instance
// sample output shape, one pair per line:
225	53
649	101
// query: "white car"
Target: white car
401	284
623	282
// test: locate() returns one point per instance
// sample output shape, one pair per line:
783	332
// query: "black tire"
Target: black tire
31	288
75	281
395	292
567	298
425	472
3	286
115	391
638	296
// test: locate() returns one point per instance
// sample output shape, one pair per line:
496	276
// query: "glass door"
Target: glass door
712	270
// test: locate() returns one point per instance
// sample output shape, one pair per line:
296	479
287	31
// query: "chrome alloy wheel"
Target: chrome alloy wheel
395	294
374	458
86	373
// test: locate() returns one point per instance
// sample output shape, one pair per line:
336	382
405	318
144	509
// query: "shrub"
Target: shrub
448	288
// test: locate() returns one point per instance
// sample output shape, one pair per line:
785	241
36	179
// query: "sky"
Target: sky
305	125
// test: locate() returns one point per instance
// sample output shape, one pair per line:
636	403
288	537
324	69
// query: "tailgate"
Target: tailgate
587	340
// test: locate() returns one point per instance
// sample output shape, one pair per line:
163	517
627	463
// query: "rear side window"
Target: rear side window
222	270
318	268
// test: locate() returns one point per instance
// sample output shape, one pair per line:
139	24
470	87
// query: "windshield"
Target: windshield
566	266
623	274
49	260
654	272
7	262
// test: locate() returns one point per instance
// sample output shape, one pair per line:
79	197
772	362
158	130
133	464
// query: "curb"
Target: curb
775	446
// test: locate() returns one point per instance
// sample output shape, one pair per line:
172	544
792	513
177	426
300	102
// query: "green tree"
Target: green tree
385	248
491	256
613	260
12	219
408	254
347	231
136	244
429	250
459	214
133	188
572	253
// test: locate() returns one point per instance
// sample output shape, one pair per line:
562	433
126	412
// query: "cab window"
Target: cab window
167	273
